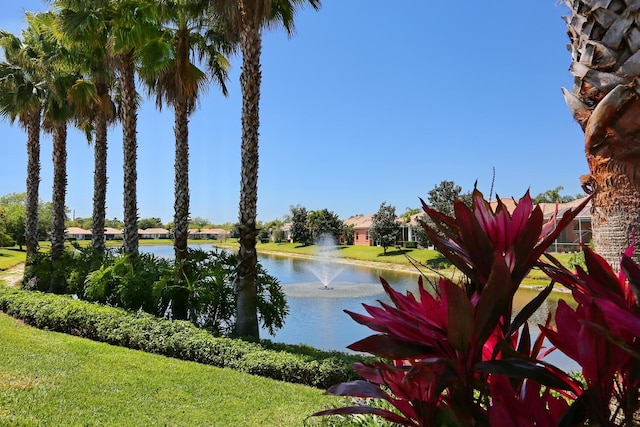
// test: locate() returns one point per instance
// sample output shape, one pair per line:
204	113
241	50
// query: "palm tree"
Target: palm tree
605	51
132	30
179	83
249	18
86	33
21	95
64	93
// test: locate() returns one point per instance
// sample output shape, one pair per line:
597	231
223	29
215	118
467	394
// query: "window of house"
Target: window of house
357	235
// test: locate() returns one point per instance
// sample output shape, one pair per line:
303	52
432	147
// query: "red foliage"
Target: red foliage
456	357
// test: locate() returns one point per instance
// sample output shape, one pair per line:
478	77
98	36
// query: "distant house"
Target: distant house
574	235
208	233
361	225
112	233
154	233
77	233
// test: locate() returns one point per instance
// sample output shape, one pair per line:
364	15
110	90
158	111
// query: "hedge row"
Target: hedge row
179	339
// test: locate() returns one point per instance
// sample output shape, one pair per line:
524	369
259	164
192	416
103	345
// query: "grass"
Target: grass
10	257
47	378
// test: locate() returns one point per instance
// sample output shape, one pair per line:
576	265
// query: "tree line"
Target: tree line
77	65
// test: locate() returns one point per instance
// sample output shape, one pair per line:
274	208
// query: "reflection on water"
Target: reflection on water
320	321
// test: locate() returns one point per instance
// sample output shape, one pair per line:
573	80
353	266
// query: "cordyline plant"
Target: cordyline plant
457	357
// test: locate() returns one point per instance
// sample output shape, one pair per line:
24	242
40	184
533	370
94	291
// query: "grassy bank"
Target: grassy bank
47	378
10	257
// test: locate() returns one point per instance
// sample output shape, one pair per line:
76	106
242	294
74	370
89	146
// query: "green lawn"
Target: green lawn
10	257
53	379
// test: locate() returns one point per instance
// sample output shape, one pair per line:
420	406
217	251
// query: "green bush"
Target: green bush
179	339
410	244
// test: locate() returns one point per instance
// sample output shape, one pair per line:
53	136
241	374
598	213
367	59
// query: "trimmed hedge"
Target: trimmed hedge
179	339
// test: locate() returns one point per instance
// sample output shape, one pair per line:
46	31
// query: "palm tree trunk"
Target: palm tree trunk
33	184
99	185
251	45
130	148
58	214
181	204
606	104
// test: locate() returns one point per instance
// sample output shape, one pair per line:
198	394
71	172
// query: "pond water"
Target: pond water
316	315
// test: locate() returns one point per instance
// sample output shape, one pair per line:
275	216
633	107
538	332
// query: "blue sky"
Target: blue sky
366	103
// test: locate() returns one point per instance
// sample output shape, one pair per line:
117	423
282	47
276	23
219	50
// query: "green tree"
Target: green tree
21	97
114	223
199	223
153	222
300	232
322	223
553	196
85	32
248	18
65	92
441	198
385	227
179	82
347	234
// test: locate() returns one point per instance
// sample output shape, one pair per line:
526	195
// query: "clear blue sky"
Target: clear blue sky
366	103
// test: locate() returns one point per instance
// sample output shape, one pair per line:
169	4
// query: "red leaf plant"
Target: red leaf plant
455	356
601	334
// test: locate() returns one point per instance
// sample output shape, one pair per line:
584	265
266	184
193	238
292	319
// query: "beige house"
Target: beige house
569	240
573	236
208	233
361	225
77	233
154	233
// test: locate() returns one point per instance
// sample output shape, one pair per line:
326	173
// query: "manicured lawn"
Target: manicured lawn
10	257
47	378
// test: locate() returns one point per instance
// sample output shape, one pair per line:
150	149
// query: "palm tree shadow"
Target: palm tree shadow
395	252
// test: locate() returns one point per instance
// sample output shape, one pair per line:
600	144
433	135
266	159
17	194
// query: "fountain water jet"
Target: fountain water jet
325	267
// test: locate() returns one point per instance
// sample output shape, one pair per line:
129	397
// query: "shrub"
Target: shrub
457	357
180	339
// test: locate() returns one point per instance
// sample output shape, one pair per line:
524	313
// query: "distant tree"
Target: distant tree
199	223
13	221
114	223
272	230
84	223
553	196
15	214
384	226
324	222
441	198
347	234
408	213
300	232
145	223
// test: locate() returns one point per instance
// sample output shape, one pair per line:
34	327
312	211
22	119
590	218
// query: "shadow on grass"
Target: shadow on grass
395	252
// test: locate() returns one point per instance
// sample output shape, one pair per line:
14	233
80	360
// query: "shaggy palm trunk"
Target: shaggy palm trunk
58	214
99	185
33	185
181	204
247	317
129	147
605	47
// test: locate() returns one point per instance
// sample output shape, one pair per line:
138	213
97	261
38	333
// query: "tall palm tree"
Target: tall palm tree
86	33
65	93
21	97
605	53
249	18
179	82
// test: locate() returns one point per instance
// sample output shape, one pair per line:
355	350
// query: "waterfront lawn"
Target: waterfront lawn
10	257
48	378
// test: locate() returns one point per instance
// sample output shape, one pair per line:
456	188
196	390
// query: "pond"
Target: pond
316	315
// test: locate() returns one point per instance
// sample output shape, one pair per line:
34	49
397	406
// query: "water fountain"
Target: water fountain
324	266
